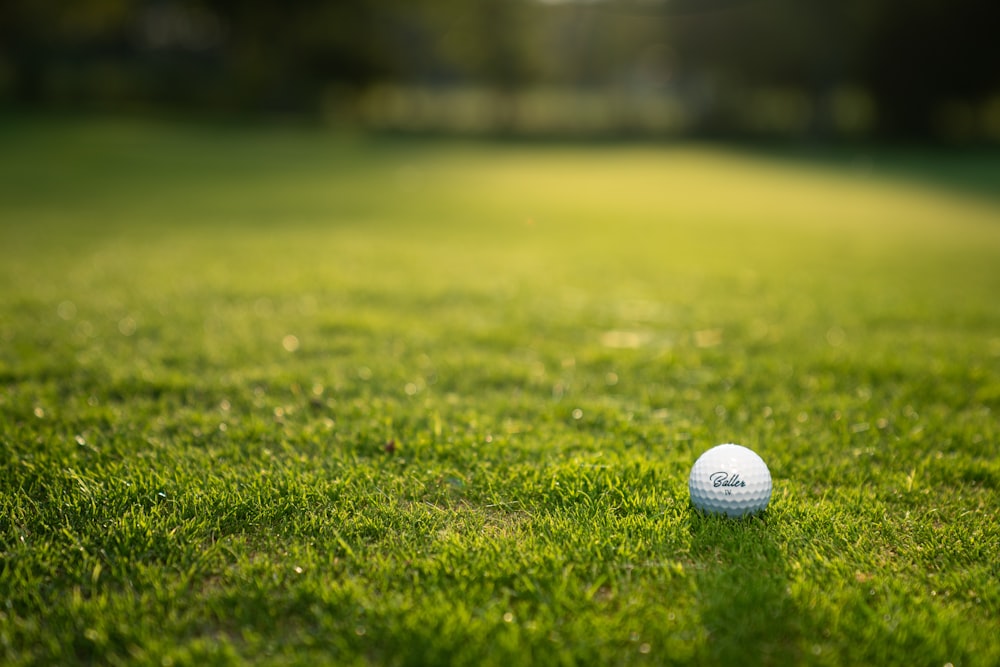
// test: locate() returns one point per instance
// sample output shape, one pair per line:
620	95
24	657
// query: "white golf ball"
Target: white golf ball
731	480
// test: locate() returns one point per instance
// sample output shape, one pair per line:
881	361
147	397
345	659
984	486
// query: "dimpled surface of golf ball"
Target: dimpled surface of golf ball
731	480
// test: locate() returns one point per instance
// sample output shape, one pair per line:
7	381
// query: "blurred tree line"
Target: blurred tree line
817	68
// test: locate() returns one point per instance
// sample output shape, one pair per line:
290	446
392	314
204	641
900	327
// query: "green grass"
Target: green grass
275	396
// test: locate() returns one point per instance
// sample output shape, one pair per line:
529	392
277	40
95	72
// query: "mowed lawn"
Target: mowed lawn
284	396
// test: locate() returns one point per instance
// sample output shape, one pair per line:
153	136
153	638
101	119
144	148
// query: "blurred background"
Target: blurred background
823	70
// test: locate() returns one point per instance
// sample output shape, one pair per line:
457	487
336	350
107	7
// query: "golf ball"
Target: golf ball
731	480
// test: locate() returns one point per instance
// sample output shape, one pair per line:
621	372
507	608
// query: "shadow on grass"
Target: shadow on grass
743	597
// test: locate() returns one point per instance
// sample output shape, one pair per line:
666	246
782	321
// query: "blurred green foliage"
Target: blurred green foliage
815	68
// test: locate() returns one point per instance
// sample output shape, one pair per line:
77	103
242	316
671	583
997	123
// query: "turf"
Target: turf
279	396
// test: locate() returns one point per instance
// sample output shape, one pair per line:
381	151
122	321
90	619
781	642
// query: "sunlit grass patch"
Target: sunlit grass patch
277	396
